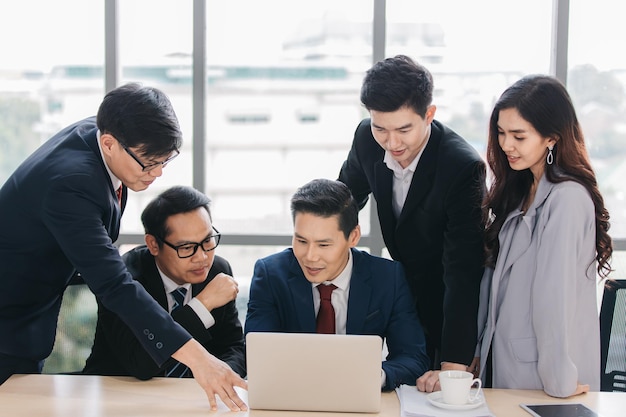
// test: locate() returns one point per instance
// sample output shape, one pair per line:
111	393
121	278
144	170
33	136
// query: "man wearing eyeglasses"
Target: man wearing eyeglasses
60	213
178	256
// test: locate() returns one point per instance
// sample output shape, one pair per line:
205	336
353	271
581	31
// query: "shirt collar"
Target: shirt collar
395	166
116	182
171	285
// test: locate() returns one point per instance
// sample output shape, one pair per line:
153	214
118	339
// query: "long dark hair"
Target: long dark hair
544	102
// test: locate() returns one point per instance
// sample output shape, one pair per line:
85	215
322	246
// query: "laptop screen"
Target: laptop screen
314	372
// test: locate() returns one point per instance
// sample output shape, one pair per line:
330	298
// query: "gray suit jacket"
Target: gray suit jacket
539	308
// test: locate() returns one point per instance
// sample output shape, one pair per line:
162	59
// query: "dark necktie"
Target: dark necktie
326	313
179	297
118	193
178	370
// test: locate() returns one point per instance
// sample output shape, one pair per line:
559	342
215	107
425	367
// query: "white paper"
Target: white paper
414	403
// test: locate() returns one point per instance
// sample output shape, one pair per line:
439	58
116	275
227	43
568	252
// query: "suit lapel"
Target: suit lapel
152	281
92	141
302	293
424	174
360	293
383	195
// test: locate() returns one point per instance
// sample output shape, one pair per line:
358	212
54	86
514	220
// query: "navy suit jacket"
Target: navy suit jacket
438	236
379	303
59	215
116	351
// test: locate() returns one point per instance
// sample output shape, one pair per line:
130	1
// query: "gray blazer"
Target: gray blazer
538	306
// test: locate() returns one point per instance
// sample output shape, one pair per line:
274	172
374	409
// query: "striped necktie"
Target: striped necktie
178	370
179	297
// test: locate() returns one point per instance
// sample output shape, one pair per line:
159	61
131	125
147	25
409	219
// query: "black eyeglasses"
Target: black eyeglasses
150	167
187	250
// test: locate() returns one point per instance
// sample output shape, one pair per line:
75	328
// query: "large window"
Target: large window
282	102
597	82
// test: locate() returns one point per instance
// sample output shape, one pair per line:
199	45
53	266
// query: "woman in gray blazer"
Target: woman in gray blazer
546	238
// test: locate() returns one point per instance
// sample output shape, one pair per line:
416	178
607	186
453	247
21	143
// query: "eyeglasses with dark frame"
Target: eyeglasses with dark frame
187	250
148	168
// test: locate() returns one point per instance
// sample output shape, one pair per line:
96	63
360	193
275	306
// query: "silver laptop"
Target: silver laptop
314	372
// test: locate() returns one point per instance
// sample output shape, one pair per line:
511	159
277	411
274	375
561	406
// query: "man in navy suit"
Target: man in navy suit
179	254
428	183
371	295
60	214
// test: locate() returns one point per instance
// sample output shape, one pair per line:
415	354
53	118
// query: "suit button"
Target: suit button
159	345
146	332
151	336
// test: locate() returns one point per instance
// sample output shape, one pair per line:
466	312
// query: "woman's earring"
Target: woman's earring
550	157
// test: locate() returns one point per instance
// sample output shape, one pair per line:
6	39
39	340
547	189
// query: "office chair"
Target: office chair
613	337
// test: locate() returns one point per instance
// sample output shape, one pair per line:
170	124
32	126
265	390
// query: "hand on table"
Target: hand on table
214	376
429	382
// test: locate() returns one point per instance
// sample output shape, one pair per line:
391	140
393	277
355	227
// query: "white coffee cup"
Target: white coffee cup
455	387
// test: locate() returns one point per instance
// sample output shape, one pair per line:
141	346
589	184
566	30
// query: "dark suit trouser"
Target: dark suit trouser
10	365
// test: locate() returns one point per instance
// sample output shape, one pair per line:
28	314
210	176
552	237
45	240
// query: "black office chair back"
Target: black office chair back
613	336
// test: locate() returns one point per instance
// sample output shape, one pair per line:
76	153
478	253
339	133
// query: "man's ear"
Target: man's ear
355	236
430	113
152	244
107	143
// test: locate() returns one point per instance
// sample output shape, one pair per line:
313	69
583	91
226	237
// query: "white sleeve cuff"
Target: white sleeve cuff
203	314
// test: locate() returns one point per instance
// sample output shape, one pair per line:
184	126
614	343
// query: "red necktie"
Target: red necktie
326	314
118	193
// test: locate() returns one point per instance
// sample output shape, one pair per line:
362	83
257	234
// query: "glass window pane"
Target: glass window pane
282	102
50	72
155	49
597	84
474	49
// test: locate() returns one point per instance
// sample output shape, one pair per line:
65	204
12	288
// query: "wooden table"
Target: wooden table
95	396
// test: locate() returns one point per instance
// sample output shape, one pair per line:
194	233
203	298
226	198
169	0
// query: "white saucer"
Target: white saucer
435	398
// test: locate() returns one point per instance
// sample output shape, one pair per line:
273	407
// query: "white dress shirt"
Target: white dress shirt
402	178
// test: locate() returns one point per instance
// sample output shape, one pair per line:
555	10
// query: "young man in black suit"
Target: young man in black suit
60	213
179	254
428	183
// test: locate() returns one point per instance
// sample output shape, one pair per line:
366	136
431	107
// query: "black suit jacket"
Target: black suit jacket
116	351
438	235
59	214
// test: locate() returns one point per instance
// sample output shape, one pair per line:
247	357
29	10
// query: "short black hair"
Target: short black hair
326	198
140	117
397	82
174	200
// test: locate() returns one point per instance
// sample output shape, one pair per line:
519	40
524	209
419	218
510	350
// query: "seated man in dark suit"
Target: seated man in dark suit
368	295
179	254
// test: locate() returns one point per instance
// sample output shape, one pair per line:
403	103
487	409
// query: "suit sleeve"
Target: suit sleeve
263	314
225	338
74	216
568	241
463	261
352	173
407	359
